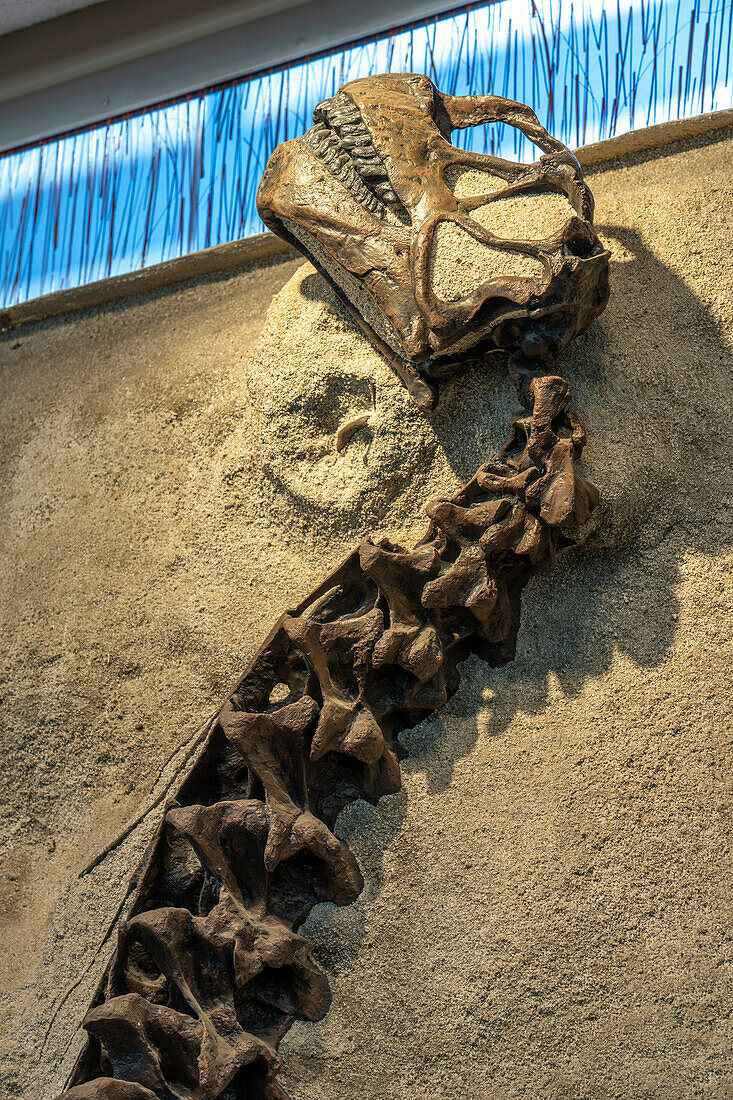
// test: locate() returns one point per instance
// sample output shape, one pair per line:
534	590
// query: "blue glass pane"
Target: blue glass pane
183	177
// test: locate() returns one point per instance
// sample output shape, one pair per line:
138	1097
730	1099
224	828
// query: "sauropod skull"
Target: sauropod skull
440	254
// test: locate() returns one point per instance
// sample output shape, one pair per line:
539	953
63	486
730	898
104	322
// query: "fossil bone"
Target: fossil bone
209	970
366	192
348	430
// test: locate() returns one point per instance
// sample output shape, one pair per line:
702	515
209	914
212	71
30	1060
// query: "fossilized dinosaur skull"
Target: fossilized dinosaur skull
440	254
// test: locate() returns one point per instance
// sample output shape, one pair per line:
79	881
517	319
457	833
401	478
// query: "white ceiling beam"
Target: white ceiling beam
123	55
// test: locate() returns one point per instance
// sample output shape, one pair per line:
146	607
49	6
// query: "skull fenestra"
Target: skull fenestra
377	197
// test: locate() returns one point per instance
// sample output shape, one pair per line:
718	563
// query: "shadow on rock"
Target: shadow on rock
652	385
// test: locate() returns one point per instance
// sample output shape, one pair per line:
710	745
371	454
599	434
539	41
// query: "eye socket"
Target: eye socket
531	215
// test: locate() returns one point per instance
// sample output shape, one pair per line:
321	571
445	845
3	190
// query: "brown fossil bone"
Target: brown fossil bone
209	970
368	190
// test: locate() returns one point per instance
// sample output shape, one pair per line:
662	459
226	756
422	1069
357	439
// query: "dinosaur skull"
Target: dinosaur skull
440	254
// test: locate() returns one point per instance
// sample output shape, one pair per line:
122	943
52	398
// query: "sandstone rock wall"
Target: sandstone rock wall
548	901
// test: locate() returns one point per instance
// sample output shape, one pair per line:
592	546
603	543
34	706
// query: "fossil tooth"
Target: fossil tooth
340	117
357	145
385	192
344	144
365	152
372	171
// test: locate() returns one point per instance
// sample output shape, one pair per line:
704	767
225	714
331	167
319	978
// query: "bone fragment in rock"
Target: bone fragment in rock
348	431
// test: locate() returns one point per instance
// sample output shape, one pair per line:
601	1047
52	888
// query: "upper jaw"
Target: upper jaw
341	138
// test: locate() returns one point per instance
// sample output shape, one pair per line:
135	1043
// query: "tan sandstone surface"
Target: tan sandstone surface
547	911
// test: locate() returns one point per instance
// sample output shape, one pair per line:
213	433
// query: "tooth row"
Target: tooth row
337	160
339	110
356	139
340	116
